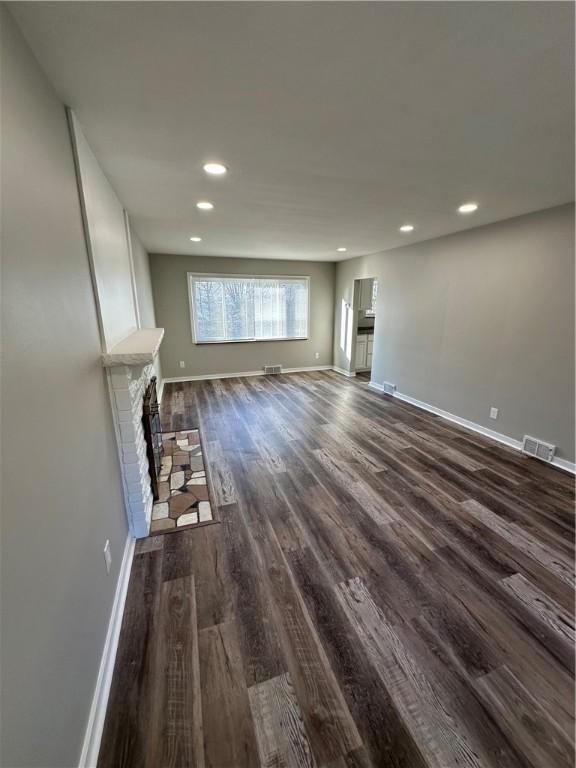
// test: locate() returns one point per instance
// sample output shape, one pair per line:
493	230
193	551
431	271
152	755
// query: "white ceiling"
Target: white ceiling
339	121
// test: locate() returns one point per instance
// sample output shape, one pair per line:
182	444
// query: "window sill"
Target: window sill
249	341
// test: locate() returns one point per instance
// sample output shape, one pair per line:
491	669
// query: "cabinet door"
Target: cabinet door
369	360
361	353
366	293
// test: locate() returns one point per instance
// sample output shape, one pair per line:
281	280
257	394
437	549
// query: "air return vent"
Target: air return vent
389	389
270	369
538	449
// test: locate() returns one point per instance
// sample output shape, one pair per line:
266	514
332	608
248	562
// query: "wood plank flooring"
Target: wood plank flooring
383	589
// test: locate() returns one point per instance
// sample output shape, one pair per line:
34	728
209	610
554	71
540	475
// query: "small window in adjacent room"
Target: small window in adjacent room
372	311
227	308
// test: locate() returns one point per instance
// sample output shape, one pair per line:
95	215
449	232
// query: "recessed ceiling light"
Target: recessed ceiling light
215	169
204	205
468	208
196	239
341	250
407	228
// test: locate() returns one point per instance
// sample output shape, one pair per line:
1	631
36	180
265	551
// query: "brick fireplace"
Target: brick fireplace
130	369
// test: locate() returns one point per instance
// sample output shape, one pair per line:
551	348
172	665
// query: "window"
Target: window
372	311
248	308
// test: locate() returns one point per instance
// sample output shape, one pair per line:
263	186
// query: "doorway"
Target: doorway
364	317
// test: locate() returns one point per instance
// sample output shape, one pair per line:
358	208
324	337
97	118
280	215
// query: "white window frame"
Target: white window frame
203	275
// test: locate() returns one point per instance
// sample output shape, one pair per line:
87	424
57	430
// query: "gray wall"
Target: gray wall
61	491
169	281
478	319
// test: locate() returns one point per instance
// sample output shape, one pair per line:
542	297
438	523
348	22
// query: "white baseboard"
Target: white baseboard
309	368
94	728
471	425
209	376
349	374
567	466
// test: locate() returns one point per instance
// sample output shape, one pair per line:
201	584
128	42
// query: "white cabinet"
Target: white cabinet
361	347
365	298
364	345
369	347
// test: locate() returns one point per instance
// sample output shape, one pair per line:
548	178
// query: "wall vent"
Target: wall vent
389	389
537	448
271	369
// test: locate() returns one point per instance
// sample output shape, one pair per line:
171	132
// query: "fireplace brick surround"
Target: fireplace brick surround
130	368
128	384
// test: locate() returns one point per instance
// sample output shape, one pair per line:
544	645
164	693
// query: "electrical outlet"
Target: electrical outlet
182	364
317	355
107	555
493	413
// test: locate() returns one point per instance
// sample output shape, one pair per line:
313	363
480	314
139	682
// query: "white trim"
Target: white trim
95	725
160	391
349	374
567	466
498	436
240	374
132	269
74	128
251	341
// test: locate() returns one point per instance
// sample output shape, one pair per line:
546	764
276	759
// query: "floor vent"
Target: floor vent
389	389
268	369
538	449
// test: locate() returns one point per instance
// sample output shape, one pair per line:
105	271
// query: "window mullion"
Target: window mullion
223	309
253	306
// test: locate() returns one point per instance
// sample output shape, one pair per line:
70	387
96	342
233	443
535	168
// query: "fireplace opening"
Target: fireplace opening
152	434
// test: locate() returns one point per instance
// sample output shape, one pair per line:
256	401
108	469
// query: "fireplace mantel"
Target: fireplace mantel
140	348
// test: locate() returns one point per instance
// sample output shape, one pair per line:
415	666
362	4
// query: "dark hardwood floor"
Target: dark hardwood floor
383	589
